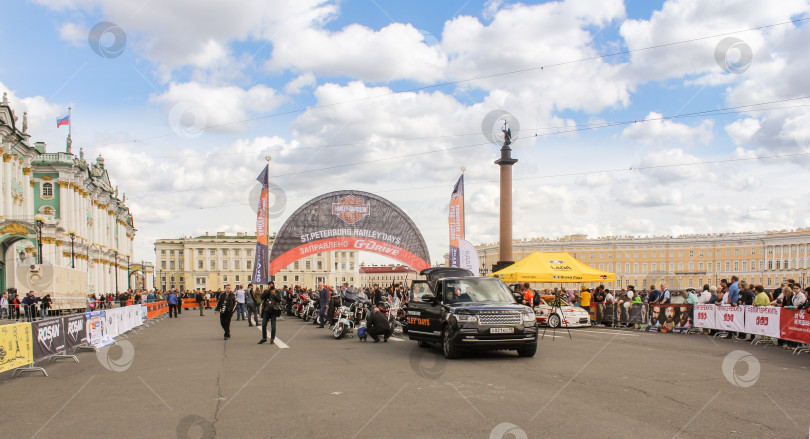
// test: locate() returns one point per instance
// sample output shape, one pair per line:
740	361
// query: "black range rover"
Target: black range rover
462	312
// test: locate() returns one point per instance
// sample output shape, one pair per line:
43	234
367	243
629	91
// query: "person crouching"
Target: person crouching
378	324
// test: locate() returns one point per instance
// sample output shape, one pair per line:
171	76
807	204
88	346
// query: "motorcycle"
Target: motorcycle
350	314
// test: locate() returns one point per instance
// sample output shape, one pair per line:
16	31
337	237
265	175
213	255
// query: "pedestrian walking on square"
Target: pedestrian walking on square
226	304
252	304
172	301
199	297
240	303
271	309
323	301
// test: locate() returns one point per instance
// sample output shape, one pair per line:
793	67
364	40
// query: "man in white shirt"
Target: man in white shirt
240	303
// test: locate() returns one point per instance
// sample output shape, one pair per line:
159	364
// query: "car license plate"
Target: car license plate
501	330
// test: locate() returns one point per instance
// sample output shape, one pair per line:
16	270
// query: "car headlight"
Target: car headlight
529	317
466	318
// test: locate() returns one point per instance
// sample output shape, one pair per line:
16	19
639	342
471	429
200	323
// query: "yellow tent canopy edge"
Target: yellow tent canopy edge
554	267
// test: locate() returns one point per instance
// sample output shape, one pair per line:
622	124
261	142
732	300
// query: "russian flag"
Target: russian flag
63	121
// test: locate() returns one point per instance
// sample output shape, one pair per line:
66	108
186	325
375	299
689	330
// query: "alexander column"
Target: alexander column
505	162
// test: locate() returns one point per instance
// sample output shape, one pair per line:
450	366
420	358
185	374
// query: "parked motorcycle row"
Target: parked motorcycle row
349	311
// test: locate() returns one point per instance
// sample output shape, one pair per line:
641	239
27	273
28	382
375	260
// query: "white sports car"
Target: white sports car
566	315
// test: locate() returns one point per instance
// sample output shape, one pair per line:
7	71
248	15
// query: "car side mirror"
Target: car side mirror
427	297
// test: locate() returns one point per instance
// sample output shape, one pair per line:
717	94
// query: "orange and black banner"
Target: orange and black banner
456	220
260	263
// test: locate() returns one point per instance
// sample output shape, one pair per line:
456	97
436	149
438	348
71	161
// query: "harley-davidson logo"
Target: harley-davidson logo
350	209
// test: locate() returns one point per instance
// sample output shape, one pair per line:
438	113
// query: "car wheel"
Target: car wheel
422	344
553	321
528	351
450	351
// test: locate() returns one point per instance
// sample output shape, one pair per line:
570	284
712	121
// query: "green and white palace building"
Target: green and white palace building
87	231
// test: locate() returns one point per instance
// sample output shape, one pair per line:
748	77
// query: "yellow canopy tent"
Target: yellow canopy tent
552	267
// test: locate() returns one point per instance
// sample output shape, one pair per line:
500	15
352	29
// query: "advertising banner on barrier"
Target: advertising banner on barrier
49	338
94	326
762	320
111	323
704	316
730	318
144	313
75	330
795	325
670	318
16	349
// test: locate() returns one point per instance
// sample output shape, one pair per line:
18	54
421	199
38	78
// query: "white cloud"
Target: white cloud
74	33
209	106
300	82
394	52
664	133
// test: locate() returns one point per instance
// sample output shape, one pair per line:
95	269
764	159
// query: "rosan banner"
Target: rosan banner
16	349
75	330
351	221
49	338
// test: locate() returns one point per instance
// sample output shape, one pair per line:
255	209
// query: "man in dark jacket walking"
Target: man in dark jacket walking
378	324
252	303
323	301
199	298
271	309
226	304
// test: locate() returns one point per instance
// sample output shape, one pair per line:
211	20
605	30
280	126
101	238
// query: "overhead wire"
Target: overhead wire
462	81
578	128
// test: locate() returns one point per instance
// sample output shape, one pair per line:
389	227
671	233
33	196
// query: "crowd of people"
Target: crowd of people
733	292
27	308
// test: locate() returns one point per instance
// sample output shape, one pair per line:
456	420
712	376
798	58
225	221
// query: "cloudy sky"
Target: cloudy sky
638	118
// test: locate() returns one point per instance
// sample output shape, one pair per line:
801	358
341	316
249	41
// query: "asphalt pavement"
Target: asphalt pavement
179	378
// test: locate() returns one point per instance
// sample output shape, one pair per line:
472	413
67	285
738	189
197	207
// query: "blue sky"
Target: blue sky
198	65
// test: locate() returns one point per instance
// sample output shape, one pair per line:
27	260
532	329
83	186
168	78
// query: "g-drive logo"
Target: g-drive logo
47	333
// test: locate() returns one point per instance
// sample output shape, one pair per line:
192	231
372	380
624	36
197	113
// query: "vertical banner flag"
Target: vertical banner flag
456	220
260	264
468	256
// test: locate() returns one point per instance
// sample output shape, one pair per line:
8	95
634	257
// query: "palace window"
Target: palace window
248	264
199	252
162	265
171	252
213	265
200	265
213	252
235	265
236	252
307	265
295	267
47	191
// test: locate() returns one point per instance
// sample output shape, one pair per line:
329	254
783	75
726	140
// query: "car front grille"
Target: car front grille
500	319
583	320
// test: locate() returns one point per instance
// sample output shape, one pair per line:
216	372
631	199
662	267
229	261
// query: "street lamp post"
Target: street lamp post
40	220
72	234
129	286
115	272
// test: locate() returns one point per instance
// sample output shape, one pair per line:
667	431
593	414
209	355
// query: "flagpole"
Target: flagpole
70	123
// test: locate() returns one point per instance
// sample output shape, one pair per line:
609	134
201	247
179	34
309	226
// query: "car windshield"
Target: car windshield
418	289
478	290
549	300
